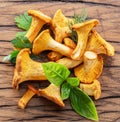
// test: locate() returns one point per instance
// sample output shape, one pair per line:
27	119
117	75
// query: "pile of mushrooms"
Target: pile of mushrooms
84	57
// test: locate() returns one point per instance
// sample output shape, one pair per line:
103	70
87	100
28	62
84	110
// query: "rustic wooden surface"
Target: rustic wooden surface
40	109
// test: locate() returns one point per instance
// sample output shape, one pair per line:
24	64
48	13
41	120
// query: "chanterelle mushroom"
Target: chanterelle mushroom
52	92
60	26
54	56
44	41
97	44
27	69
38	20
92	89
91	68
69	42
83	30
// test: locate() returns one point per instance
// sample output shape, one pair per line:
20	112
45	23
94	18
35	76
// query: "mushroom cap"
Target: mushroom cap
92	89
97	44
90	69
52	92
83	30
40	15
27	69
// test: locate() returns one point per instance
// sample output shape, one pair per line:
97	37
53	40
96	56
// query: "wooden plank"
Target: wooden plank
40	109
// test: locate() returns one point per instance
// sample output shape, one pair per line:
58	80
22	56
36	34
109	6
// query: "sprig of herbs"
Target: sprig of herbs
23	21
59	75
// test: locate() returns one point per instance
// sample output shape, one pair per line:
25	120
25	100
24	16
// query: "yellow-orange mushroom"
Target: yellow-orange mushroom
60	26
91	67
26	69
38	20
54	56
44	41
69	42
83	30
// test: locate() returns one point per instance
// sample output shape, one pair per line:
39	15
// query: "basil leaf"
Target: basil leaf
73	81
21	42
55	73
65	91
83	104
23	21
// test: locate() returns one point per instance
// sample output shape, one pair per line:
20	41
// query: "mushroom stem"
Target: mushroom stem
31	91
44	41
90	59
69	63
38	20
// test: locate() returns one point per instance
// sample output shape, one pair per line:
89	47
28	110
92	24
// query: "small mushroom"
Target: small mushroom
92	89
52	92
97	44
69	42
54	56
27	69
38	20
91	68
60	26
69	63
83	30
31	91
44	41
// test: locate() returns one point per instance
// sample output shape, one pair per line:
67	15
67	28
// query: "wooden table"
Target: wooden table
40	109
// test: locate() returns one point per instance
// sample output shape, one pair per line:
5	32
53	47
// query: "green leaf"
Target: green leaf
83	104
23	21
11	57
73	81
65	91
19	34
55	73
21	42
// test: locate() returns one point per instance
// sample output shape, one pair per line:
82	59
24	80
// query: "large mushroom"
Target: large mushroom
27	69
38	20
44	41
83	30
91	68
60	26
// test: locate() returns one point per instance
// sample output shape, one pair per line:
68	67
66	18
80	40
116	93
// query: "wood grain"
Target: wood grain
40	109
